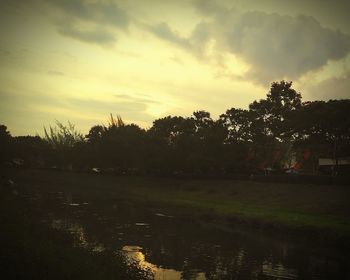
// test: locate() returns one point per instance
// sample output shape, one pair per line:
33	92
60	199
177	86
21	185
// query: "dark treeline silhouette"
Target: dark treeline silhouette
277	134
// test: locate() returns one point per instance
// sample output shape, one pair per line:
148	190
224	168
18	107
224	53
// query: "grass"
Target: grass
267	212
319	208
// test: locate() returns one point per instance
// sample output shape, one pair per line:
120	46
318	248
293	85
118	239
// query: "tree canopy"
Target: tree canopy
276	132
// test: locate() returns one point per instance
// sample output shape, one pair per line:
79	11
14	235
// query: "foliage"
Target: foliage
274	112
5	144
271	134
4	133
63	136
115	122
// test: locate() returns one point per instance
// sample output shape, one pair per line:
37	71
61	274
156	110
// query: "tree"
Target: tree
6	151
238	123
62	139
274	112
209	145
323	128
32	149
270	122
95	134
123	146
171	129
173	138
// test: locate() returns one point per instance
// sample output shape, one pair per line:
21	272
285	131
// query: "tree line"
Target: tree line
274	133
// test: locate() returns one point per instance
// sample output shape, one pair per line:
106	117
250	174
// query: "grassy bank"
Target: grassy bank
317	208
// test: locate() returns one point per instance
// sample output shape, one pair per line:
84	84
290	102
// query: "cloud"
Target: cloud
332	88
209	8
163	31
278	46
97	35
104	12
90	22
273	46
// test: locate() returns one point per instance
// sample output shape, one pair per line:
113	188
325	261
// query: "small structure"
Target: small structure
330	166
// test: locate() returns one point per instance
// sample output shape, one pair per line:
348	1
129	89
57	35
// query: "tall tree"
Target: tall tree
323	128
274	112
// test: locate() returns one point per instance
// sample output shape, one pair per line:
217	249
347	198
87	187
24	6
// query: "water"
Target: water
174	247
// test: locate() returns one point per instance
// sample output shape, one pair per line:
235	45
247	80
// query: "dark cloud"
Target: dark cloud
98	35
102	15
332	88
163	31
278	46
209	8
334	14
105	12
274	46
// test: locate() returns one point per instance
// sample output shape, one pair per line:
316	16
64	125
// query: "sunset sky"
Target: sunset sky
80	60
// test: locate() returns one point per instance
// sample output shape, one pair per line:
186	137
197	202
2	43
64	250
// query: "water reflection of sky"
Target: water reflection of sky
134	253
180	249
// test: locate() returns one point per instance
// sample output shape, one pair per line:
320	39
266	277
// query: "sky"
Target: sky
80	60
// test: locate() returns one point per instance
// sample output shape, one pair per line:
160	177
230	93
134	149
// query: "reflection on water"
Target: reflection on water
78	233
278	271
176	248
134	254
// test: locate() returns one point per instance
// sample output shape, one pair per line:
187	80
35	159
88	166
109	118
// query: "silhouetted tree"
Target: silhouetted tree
324	128
33	150
95	134
174	137
210	135
62	140
267	134
271	121
274	112
238	123
6	149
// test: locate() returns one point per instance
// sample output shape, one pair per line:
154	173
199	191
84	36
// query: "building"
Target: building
330	166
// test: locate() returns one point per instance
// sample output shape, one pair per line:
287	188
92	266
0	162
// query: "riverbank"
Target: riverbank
319	210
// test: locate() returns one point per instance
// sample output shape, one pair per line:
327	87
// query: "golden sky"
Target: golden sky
80	60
